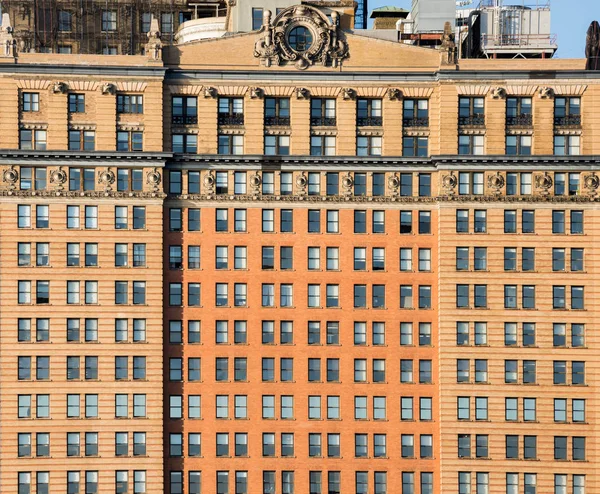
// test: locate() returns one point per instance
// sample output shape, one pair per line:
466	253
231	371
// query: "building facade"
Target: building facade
326	263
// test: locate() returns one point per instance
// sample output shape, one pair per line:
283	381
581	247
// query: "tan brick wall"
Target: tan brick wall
58	348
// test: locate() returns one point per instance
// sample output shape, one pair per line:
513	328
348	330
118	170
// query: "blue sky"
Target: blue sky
570	21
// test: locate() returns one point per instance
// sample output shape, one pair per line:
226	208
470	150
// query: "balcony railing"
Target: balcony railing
181	119
322	121
415	122
369	121
568	121
523	120
231	119
473	120
277	121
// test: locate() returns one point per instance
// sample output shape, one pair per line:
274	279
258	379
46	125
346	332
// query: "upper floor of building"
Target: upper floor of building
299	85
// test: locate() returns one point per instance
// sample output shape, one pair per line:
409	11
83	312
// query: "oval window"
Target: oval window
300	38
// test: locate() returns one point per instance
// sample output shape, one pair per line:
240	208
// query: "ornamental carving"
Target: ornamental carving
348	93
153	179
154	45
209	182
302	36
10	176
59	88
449	182
302	93
255	182
106	178
108	88
591	182
498	93
58	177
210	92
394	184
496	182
546	92
301	183
256	93
543	182
347	183
394	94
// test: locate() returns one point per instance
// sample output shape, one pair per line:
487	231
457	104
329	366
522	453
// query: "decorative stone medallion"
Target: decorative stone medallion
301	35
10	176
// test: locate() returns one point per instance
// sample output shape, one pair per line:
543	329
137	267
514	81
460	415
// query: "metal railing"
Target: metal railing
184	119
474	120
369	121
568	121
277	121
231	119
523	120
322	121
507	40
415	122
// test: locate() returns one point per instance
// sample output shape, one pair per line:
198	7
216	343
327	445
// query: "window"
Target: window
573	184
470	144
184	110
560	372
360	184
567	111
127	103
82	140
426	446
277	145
42	216
277	110
76	103
109	20
231	112
184	143
286	221
30	102
314	221
322	112
415	146
32	139
470	183
129	141
368	145
368	112
139	217
518	111
518	145
424	222
566	145
576	222
560	448
415	113
407	446
257	18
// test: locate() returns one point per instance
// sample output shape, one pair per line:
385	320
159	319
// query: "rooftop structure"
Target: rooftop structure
431	15
499	29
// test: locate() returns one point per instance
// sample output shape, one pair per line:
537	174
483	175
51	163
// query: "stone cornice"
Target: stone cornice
78	158
384	163
369	163
550	77
104	70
